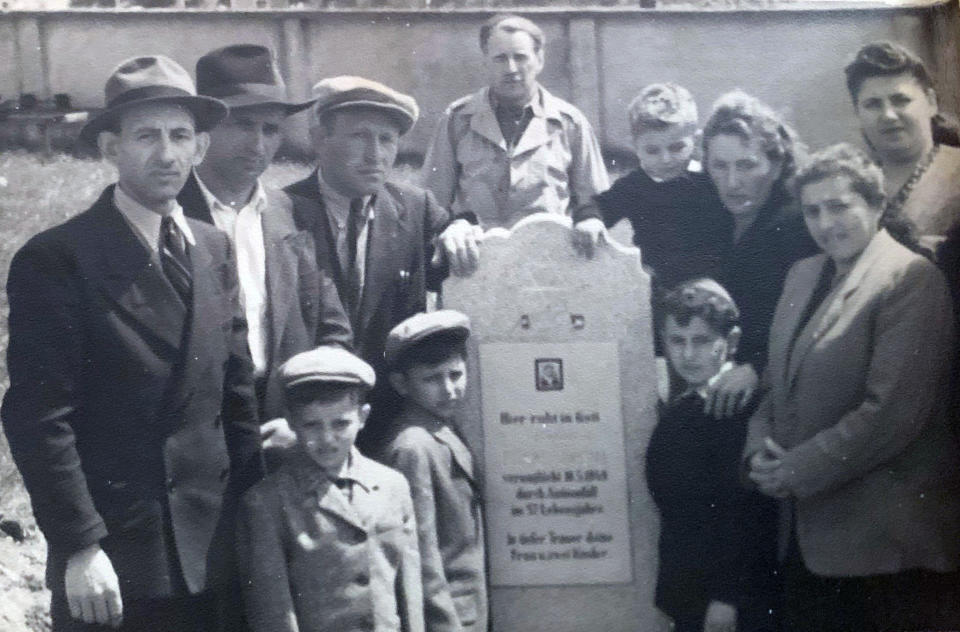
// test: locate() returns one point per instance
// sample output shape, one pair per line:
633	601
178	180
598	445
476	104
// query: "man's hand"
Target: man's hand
766	470
731	391
460	244
720	617
588	235
93	591
277	433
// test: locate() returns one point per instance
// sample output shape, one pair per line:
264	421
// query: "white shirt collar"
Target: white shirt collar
146	222
257	201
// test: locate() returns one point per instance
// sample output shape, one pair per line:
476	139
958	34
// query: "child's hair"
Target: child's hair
432	350
661	105
704	298
301	395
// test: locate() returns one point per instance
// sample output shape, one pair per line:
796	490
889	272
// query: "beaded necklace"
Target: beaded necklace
895	203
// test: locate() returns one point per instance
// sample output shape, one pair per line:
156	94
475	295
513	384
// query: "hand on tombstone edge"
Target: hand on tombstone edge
460	244
93	591
588	235
731	391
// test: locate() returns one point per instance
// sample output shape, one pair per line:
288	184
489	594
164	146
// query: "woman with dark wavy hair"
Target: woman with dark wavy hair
896	102
852	433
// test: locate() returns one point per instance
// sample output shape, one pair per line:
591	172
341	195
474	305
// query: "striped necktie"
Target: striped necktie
174	258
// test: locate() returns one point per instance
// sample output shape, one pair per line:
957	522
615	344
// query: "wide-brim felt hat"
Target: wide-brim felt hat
245	75
337	93
152	79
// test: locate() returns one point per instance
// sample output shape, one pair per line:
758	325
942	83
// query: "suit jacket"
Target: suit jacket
399	247
304	307
406	220
126	405
312	560
447	502
859	406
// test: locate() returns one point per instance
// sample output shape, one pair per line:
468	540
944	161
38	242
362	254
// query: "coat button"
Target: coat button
170	485
363	579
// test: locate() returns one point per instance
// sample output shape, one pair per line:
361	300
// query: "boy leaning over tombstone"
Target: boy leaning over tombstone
712	575
670	203
327	543
426	357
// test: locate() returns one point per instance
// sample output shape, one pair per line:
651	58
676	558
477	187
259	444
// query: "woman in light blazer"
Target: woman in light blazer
852	434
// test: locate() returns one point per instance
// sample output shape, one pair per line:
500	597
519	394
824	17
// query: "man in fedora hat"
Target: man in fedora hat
290	303
131	411
377	235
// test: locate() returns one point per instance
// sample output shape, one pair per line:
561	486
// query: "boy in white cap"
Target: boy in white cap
426	358
328	542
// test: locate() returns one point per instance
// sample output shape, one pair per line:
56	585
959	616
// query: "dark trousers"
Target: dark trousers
195	613
913	600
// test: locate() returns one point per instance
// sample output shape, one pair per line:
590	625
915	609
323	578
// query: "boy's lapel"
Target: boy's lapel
333	500
461	454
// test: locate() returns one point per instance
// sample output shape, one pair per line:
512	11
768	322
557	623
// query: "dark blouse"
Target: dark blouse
753	271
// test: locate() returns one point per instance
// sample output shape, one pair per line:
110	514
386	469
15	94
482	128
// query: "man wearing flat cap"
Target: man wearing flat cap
513	148
375	234
290	303
131	412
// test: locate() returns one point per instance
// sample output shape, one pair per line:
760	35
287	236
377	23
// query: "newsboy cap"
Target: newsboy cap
327	364
421	326
335	93
151	79
244	75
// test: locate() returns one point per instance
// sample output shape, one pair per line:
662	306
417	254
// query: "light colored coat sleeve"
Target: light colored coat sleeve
419	466
588	174
440	173
912	336
262	565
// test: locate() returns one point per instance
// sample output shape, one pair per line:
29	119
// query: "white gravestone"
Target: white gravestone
562	378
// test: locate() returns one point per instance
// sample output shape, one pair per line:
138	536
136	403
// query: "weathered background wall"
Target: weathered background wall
598	59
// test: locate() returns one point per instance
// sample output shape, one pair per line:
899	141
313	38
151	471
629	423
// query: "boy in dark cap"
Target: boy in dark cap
328	543
426	358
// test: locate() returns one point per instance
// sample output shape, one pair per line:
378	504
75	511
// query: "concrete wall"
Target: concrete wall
598	59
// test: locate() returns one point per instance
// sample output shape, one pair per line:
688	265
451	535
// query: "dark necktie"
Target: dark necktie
174	258
354	227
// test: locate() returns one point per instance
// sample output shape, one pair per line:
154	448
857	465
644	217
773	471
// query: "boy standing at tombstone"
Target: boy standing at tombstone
670	202
328	543
712	575
426	358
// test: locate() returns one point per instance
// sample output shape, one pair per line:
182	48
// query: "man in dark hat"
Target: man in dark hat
131	412
290	303
374	233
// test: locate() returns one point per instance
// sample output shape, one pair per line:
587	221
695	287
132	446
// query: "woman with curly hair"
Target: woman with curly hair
749	154
851	434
